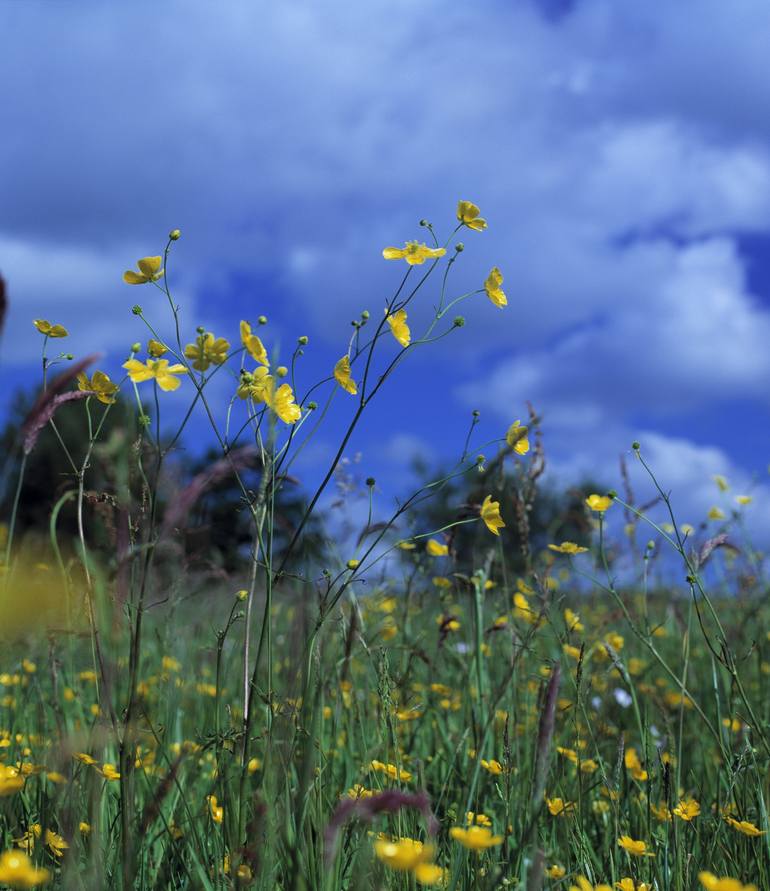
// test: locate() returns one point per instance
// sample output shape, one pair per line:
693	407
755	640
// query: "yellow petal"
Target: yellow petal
150	266
393	253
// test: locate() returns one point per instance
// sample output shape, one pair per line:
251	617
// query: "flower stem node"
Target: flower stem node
175	234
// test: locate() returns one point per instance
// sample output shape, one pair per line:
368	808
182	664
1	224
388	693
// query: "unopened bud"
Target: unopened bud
281	371
612	494
459	247
136	309
365	314
302	341
135	347
312	406
476	412
242	594
458	321
200	329
424	223
635	446
353	564
262	320
174	235
370	481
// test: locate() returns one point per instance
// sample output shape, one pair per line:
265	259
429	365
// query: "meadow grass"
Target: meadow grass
527	716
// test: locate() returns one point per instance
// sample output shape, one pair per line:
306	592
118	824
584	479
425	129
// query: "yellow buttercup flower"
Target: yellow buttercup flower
634	846
492	766
216	811
517	438
436	549
109	771
492	286
745	827
629	884
207	350
391	770
687	809
156	349
599	503
18	871
255	385
399	328
468	215
431	874
557	807
490	514
403	854
572	620
712	883
342	376
282	403
254	346
100	385
476	838
149	271
555	871
45	327
584	885
568	547
413	252
10	781
155	369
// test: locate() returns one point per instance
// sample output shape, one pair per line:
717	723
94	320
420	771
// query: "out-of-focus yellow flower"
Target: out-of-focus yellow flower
436	549
745	827
636	847
155	369
492	286
572	620
431	874
490	514
17	871
661	812
254	346
629	884
10	780
45	327
687	809
391	770
399	328
557	807
517	438
216	810
207	350
149	271
109	771
599	503
468	215
584	885
568	547
721	482
492	766
716	513
413	252
555	871
476	838
342	376
743	499
712	883
100	385
402	854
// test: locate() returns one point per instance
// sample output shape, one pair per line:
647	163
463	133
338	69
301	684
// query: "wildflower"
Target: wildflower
743	499
357	791
430	874
254	346
687	809
716	514
155	369
555	871
477	819
721	482
413	252
156	349
494	767
84	758
399	328
403	854
476	838
282	403
109	771
56	844
662	812
407	545
490	514
568	547
468	215
599	503
391	770
637	848
45	327
207	350
711	883
492	286
745	827
572	621
436	549
10	781
149	271
342	376
629	884
584	885
254	765
100	385
559	808
17	871
216	810
517	438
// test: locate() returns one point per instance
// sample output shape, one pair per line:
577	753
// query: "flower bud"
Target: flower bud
458	321
136	309
302	341
68	356
144	420
459	247
424	223
312	406
365	314
242	594
370	481
281	371
353	564
174	235
262	320
135	347
635	446
612	494
476	412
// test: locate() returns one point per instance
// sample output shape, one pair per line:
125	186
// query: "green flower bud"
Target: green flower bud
262	320
458	321
459	247
302	341
281	371
135	347
635	446
365	314
370	481
312	406
174	235
136	309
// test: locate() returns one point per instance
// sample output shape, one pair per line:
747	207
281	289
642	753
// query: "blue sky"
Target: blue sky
619	150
